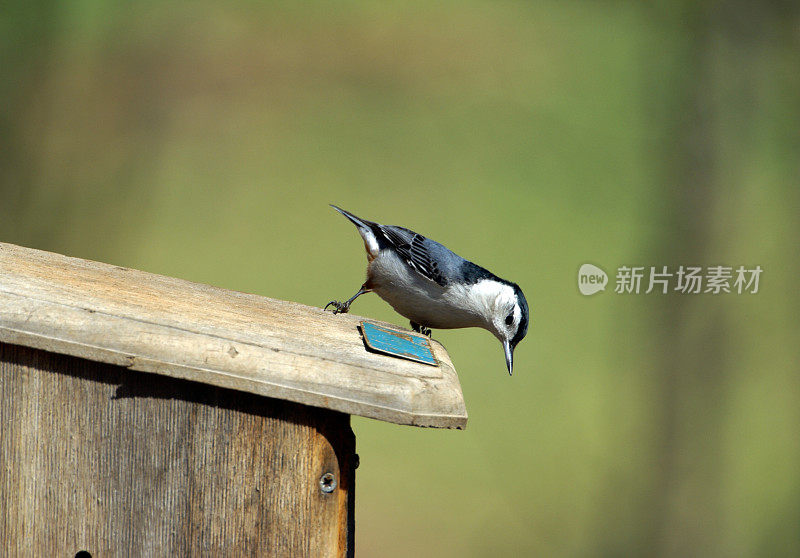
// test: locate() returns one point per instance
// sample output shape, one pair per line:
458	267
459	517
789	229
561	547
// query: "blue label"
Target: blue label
398	343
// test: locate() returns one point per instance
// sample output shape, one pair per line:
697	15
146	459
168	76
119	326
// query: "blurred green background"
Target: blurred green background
204	140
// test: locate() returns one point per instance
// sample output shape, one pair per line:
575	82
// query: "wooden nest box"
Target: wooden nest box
147	415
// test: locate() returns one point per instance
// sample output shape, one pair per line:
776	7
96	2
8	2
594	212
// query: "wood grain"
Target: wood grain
98	458
177	328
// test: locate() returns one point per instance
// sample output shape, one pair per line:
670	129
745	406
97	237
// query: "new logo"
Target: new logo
591	279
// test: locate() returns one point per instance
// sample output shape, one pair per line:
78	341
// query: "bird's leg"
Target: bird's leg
421	329
343	307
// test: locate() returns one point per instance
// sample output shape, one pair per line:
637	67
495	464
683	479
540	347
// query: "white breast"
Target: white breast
424	301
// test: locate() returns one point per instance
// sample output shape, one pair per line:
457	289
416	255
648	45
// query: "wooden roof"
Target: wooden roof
177	328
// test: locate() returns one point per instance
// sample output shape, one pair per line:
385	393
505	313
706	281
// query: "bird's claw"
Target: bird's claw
421	329
338	307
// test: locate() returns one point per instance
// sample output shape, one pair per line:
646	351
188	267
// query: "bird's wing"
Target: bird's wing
415	249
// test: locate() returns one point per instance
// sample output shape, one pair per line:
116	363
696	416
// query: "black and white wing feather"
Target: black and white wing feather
427	257
417	251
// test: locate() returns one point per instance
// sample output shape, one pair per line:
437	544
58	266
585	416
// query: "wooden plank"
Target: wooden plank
177	328
119	463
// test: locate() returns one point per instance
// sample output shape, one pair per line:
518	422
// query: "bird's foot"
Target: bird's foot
421	329
338	307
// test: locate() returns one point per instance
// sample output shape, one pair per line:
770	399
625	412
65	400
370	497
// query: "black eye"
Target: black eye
509	319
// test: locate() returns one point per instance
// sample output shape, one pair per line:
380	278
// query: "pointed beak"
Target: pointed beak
509	350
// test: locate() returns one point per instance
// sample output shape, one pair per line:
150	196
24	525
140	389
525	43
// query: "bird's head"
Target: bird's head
508	316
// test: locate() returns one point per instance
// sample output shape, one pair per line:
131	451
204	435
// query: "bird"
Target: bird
435	288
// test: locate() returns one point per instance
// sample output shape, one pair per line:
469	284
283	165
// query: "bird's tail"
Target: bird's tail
361	223
367	230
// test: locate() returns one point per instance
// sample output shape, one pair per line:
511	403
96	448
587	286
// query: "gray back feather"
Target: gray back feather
429	258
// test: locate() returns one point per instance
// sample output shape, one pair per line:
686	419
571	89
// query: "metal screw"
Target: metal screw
327	483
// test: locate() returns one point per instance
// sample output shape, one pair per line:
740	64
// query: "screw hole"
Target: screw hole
327	483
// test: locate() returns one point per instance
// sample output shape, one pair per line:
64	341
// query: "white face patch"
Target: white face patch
494	293
494	301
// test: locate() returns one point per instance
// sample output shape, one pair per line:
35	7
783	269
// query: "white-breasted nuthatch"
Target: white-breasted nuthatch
435	288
